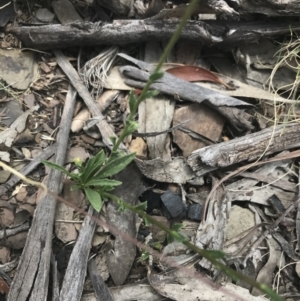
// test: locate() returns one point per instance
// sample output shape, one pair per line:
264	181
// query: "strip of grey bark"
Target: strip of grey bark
298	218
32	276
104	128
55	282
44	155
124	32
101	290
76	271
182	89
247	148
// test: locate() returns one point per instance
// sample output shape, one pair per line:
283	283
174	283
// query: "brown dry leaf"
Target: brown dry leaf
7	217
26	152
4	255
18	240
196	74
76	152
22	194
139	147
79	120
8	136
4	288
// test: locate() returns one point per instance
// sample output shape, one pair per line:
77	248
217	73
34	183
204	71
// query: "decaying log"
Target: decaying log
247	148
32	276
124	32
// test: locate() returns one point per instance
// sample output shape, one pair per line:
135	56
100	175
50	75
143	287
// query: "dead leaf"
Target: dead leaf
139	147
76	152
4	288
4	255
4	156
7	217
79	120
196	74
8	136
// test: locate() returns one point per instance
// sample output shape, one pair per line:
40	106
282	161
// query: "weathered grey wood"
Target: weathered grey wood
55	282
120	259
101	290
298	218
184	90
246	148
104	128
149	119
12	231
44	155
232	9
32	276
266	7
76	271
123	32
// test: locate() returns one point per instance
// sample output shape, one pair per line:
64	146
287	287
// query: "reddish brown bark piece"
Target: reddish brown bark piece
196	74
203	122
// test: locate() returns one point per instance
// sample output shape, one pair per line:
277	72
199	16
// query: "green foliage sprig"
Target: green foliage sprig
93	177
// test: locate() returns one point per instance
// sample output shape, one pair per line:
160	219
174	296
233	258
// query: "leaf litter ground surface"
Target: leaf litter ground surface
216	159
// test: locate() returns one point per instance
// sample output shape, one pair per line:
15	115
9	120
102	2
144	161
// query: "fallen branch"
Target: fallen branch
104	128
247	148
124	32
32	276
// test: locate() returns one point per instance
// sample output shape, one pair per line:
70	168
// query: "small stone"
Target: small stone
44	15
195	212
172	205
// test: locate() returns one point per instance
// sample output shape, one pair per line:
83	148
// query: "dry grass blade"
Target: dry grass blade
95	70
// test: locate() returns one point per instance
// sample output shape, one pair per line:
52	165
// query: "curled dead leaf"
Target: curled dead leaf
196	74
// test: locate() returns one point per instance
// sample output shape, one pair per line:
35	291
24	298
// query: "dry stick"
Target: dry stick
101	290
104	128
32	277
44	155
72	286
291	155
298	218
124	32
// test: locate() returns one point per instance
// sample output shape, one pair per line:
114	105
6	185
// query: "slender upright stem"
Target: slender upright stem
187	13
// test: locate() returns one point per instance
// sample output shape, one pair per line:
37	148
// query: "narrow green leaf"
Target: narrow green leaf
115	166
141	206
144	256
131	126
103	182
147	222
94	198
92	166
151	93
157	245
216	254
156	76
113	140
132	100
176	227
59	168
176	236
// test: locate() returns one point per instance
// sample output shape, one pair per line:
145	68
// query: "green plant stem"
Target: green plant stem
204	253
188	12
